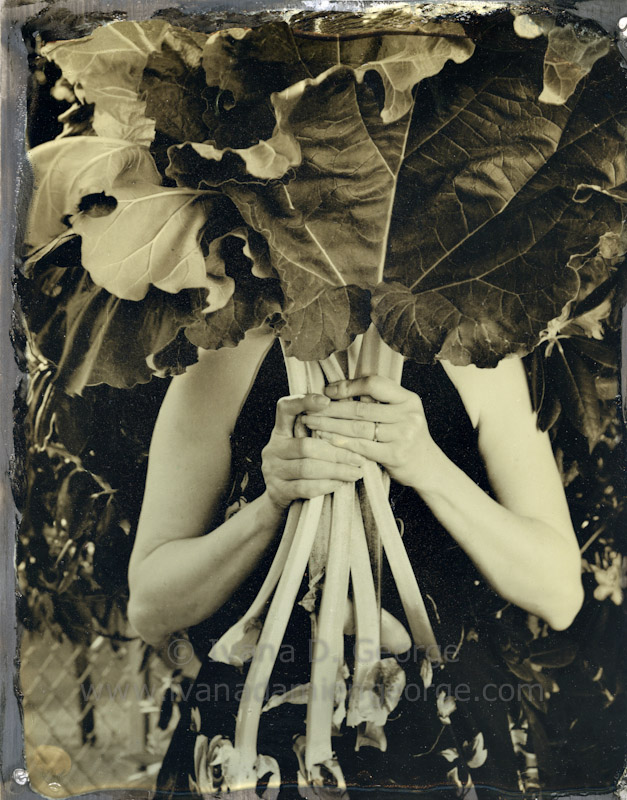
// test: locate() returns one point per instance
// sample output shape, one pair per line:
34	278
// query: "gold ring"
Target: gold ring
375	437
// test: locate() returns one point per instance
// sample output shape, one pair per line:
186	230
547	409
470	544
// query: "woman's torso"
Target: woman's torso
426	745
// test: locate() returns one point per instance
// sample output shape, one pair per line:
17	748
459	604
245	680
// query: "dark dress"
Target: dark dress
462	724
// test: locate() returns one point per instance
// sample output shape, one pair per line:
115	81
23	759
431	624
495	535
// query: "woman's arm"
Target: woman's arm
524	544
177	576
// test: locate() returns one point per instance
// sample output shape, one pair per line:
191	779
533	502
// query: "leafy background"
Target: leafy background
84	456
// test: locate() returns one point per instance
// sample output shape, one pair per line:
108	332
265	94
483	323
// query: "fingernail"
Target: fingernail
320	400
331	390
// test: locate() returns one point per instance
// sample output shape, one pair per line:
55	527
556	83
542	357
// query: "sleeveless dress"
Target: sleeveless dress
458	728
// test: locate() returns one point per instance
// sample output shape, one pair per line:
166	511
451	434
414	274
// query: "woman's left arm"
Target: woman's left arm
523	543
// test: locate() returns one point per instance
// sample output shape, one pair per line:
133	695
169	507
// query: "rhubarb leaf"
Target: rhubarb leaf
153	238
321	225
577	392
135	233
106	68
480	247
451	192
474	228
94	337
174	88
404	61
66	171
569	57
329	323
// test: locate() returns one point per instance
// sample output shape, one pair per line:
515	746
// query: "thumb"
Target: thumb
288	408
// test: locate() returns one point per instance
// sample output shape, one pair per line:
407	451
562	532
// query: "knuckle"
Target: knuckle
282	405
374	382
417	419
305	469
405	433
300	488
361	410
347	473
363	429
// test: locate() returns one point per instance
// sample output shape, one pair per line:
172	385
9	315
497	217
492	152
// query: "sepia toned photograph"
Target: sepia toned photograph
319	442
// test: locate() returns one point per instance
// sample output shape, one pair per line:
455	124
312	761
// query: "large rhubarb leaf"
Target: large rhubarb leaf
486	217
312	222
135	232
316	186
173	84
153	238
328	323
256	298
94	337
106	68
66	171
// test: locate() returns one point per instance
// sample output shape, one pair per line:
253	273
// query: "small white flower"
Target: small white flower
446	705
475	752
609	577
426	672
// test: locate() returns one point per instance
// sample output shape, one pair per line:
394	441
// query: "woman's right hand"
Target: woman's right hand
296	467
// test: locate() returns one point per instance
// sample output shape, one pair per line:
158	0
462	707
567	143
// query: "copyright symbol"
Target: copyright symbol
180	652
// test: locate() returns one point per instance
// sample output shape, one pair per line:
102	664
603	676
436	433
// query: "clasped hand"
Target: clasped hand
392	431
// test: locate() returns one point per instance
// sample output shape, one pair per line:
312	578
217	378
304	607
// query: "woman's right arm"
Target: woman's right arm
177	576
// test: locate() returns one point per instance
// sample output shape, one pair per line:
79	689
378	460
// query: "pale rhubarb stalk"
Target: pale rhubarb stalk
264	658
319	551
399	562
367	615
377	358
225	649
328	655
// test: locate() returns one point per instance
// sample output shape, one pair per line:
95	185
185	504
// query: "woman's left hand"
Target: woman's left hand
393	431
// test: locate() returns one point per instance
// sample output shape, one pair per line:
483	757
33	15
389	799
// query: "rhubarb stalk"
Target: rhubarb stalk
264	658
328	654
399	562
237	645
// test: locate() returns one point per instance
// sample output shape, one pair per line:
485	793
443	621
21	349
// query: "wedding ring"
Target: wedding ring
375	437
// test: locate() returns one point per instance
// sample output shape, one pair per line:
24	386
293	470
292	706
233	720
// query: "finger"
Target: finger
308	447
373	451
288	408
312	470
379	388
308	489
357	429
356	409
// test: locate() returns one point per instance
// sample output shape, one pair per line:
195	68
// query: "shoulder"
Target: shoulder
213	390
492	396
